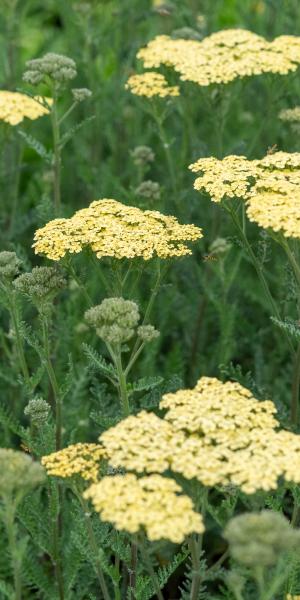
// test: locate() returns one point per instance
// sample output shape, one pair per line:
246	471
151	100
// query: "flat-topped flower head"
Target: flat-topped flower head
270	187
217	433
213	407
223	56
112	229
230	177
152	504
141	443
81	460
151	84
14	107
230	438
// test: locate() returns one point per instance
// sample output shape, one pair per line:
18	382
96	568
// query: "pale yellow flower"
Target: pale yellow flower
113	229
223	56
270	187
78	459
151	84
154	504
14	107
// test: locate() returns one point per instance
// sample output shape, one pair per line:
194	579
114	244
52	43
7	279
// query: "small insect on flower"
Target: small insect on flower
209	257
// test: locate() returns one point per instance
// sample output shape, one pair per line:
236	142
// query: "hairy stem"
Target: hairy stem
122	384
53	382
19	344
259	271
149	566
93	545
57	155
133	568
16	559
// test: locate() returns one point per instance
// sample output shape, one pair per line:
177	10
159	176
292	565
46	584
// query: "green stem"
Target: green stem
296	370
133	568
166	147
57	155
258	270
259	578
16	559
153	576
122	384
93	545
19	344
56	546
134	358
53	382
195	555
295	388
80	285
155	290
15	188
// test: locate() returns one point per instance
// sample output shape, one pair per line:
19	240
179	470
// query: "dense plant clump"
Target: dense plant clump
150	339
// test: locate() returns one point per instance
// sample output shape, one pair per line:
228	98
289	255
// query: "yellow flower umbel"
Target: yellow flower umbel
151	504
141	443
223	56
151	84
112	229
82	460
270	187
14	107
217	433
230	437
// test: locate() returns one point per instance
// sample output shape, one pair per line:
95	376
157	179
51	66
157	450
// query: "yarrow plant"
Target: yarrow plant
149	411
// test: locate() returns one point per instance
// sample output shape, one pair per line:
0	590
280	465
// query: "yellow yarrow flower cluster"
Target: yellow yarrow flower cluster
217	433
223	56
293	597
78	459
113	229
151	84
152	504
270	187
141	443
213	407
14	107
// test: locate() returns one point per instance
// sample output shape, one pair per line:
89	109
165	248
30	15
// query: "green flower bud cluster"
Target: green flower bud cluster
115	319
142	155
42	284
81	94
259	539
57	67
9	265
147	333
38	411
18	473
149	190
